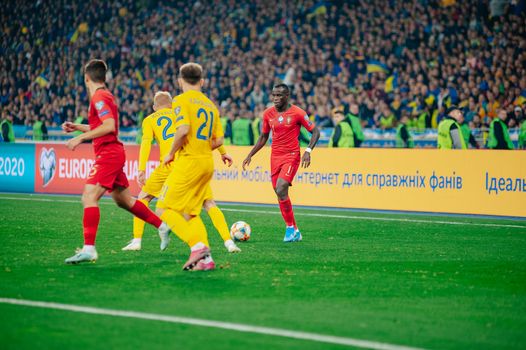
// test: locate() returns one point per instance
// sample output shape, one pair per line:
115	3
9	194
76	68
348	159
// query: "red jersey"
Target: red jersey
102	106
285	128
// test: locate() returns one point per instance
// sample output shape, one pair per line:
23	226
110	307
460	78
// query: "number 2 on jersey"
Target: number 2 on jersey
200	135
166	135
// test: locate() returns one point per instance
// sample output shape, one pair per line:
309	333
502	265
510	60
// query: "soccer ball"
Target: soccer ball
240	231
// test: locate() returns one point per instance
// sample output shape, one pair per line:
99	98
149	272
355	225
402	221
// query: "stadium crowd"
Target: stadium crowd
393	59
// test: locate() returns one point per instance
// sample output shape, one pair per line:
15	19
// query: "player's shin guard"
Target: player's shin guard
138	224
90	223
218	219
198	230
286	211
177	224
143	212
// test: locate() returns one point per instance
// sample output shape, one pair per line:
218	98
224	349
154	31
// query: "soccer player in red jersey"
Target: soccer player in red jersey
285	120
107	173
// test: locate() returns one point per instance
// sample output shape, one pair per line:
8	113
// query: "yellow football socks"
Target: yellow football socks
138	224
218	219
178	224
199	234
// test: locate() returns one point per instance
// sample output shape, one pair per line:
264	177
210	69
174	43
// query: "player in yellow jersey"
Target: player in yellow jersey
198	132
160	126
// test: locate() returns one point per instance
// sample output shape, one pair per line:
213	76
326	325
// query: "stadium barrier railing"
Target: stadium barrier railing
373	137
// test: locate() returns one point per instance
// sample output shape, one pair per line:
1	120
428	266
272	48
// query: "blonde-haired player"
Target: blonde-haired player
160	126
198	133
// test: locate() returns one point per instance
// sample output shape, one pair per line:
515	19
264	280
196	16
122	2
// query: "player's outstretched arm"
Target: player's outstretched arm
262	141
305	160
179	138
71	127
107	127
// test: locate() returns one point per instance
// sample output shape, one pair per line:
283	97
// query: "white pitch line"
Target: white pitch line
44	200
352	217
277	332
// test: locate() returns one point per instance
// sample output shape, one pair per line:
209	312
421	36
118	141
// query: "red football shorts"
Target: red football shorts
284	167
107	172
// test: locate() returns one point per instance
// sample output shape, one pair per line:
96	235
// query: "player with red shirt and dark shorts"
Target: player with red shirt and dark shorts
107	173
285	121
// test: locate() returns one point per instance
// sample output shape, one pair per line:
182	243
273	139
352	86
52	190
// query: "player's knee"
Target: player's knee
88	199
124	202
121	204
282	191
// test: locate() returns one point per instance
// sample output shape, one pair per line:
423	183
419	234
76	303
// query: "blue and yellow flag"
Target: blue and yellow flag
319	8
391	82
374	66
139	76
42	81
74	36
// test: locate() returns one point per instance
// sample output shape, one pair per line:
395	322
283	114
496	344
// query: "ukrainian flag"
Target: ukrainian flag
42	81
139	76
74	36
81	28
391	82
320	8
374	66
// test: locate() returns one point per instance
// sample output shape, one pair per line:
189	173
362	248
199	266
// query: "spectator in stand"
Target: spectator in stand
257	97
517	115
321	119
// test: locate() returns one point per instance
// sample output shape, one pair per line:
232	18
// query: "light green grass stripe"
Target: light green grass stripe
365	344
331	216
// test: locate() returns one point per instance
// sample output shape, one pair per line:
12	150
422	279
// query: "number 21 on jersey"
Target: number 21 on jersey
204	132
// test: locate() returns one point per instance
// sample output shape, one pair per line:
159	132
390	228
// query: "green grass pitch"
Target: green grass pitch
419	282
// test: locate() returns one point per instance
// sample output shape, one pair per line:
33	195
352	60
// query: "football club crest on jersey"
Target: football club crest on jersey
288	120
48	161
280	119
177	110
99	105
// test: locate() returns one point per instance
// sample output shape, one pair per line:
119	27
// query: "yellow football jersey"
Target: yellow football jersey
195	109
160	126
